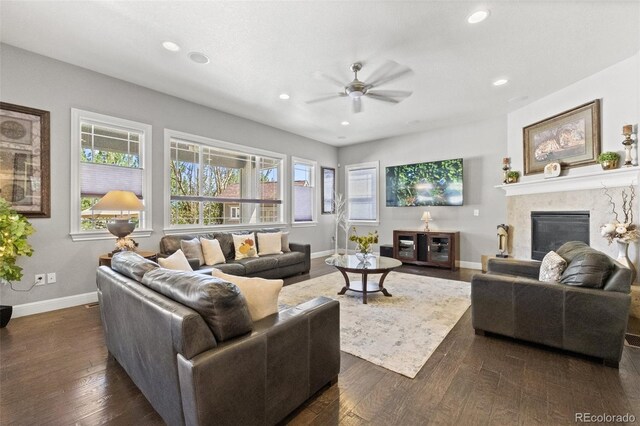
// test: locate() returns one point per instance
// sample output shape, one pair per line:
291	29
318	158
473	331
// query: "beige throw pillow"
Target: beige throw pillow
552	267
261	294
285	242
269	243
177	261
192	250
245	245
212	252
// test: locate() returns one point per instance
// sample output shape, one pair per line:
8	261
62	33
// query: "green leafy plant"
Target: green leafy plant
364	241
608	156
513	174
14	230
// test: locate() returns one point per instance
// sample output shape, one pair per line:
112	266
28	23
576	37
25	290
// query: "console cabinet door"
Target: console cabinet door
405	246
440	249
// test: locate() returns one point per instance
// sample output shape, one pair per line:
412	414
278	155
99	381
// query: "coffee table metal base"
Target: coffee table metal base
371	286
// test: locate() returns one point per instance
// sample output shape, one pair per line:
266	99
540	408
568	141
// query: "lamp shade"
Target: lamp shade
119	201
426	216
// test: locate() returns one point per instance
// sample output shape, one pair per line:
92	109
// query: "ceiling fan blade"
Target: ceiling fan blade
397	73
332	80
391	93
357	105
381	72
326	98
381	98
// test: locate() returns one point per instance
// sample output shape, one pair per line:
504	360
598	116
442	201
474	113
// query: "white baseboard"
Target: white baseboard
321	254
53	304
469	265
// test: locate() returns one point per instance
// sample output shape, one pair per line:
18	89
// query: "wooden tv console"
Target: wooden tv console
427	248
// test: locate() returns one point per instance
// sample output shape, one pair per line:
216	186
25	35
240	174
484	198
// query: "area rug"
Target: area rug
398	333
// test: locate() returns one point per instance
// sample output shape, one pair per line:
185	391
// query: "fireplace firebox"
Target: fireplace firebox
549	230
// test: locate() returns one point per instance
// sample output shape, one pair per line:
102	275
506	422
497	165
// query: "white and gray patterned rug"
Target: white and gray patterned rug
398	333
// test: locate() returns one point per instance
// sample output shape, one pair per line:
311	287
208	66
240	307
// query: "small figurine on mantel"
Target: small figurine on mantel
506	165
503	240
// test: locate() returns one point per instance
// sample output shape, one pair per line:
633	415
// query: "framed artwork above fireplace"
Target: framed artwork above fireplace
571	138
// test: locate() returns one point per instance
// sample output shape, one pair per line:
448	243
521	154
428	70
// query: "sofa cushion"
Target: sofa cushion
132	265
233	268
169	244
245	245
192	249
226	244
290	258
177	261
552	267
285	242
261	294
568	251
258	264
212	252
588	269
269	243
220	303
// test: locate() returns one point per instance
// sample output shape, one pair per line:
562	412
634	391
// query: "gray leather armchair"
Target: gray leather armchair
509	300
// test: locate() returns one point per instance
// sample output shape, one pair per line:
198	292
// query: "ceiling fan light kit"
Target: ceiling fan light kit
356	89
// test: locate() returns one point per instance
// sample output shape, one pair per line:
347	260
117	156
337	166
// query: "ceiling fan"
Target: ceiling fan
357	89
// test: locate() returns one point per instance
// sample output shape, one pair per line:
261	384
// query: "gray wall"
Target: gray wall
482	146
39	82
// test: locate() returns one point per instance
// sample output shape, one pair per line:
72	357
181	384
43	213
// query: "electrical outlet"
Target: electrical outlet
476	212
51	277
40	279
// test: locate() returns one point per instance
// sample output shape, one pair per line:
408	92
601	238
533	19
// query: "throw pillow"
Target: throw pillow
192	249
269	243
588	270
177	261
245	246
261	294
285	242
552	267
212	252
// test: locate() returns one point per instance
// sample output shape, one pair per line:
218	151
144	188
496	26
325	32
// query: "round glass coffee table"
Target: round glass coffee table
372	265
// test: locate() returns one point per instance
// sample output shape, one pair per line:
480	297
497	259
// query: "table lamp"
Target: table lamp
426	217
120	204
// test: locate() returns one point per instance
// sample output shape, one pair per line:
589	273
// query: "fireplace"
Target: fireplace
549	230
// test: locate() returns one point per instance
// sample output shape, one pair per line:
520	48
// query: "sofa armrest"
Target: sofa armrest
521	268
303	248
261	377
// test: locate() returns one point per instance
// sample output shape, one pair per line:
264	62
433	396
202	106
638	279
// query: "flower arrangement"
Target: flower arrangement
365	241
126	244
14	230
621	229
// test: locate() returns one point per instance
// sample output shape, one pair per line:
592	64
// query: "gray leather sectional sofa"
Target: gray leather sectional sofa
187	341
296	261
590	320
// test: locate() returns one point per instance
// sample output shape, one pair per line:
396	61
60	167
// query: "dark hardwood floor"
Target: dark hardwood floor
54	369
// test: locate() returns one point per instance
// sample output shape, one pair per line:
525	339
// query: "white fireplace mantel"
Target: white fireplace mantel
624	176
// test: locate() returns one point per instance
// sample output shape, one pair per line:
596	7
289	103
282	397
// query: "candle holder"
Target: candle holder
505	169
628	145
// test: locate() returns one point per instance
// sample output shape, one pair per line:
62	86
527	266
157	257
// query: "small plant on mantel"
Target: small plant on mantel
608	160
513	176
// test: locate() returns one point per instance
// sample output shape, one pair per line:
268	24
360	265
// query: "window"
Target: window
362	192
108	153
303	190
214	183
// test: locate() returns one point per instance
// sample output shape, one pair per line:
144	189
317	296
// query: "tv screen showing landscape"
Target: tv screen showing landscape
437	183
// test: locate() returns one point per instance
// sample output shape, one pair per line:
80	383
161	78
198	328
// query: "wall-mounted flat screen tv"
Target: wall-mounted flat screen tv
437	183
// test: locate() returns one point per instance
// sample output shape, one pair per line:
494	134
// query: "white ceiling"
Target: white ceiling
261	49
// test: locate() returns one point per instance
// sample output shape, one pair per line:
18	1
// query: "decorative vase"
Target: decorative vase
623	257
609	164
362	253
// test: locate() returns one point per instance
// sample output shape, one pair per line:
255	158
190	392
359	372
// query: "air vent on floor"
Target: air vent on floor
632	340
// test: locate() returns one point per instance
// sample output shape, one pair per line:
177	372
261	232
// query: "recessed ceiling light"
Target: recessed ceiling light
170	46
199	58
500	82
478	16
345	123
284	96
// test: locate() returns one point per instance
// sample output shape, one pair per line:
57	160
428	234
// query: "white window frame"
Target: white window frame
234	212
77	117
314	195
351	167
214	143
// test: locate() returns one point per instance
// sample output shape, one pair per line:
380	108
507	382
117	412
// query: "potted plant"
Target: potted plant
14	230
364	249
513	176
608	160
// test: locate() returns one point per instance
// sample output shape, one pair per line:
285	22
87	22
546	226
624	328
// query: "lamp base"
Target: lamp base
426	226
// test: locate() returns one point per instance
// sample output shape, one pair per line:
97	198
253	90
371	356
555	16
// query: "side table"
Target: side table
105	259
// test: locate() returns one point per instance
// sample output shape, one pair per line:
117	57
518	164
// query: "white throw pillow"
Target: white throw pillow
269	243
552	267
212	252
261	294
285	242
245	245
177	261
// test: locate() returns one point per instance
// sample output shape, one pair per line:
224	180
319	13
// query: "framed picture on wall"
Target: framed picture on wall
328	189
571	138
24	159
